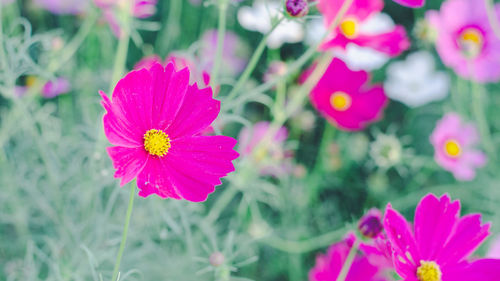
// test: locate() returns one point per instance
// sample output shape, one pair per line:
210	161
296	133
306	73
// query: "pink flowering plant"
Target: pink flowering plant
269	140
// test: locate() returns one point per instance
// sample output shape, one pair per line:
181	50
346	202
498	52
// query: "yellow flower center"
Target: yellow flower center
340	101
429	271
349	27
156	142
452	148
30	81
471	41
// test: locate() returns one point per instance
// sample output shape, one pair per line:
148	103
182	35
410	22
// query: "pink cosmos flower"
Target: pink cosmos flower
466	41
436	247
63	6
234	58
272	157
154	121
328	266
56	87
454	143
345	99
411	3
140	9
354	28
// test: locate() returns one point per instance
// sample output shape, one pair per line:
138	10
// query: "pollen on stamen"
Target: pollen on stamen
156	142
429	271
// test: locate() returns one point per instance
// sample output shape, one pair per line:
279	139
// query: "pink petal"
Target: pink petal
132	99
170	90
392	43
399	233
128	162
155	178
197	112
369	104
466	238
411	3
483	270
360	9
434	222
118	129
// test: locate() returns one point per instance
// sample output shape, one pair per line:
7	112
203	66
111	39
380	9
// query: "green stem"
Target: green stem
304	246
221	32
348	262
317	170
171	29
75	43
252	64
479	111
221	204
125	232
121	54
492	16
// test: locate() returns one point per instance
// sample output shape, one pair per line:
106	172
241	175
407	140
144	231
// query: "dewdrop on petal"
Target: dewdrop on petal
370	225
297	8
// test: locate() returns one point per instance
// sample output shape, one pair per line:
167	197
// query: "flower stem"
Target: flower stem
75	43
348	262
221	33
479	111
492	17
121	53
221	204
304	246
252	64
125	232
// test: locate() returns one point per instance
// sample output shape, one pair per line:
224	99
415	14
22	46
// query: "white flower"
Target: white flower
386	151
315	31
415	81
259	18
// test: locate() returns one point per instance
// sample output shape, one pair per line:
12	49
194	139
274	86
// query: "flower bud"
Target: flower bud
297	8
370	225
217	259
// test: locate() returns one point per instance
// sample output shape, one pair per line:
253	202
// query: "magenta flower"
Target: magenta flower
345	99
154	121
328	266
411	3
436	247
454	144
56	87
466	41
355	28
63	6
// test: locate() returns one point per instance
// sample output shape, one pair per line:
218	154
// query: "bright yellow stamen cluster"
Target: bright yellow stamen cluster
349	27
429	271
471	41
156	142
340	101
452	148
